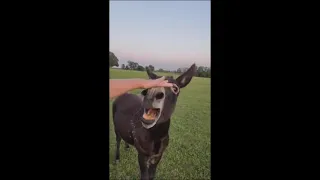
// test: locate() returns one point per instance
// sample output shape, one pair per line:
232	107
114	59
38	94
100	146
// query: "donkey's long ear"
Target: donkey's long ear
151	74
184	79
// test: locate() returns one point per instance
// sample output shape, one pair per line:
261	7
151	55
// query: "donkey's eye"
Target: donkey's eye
144	92
175	89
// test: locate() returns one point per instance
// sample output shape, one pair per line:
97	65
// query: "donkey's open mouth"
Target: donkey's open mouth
150	115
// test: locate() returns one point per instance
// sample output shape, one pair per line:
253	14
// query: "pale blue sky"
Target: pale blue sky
166	34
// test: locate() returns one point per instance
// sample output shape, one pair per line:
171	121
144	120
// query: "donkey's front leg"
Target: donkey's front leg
155	159
144	174
153	163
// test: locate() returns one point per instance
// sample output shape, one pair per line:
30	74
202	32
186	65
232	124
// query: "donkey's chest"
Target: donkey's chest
147	144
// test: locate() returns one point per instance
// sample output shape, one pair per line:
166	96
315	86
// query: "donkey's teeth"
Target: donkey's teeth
148	117
151	114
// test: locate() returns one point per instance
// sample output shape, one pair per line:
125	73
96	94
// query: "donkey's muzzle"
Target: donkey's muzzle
147	121
150	115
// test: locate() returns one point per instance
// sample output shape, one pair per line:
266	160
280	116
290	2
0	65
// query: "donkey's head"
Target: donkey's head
159	103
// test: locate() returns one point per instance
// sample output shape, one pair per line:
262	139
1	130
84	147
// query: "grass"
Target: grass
188	153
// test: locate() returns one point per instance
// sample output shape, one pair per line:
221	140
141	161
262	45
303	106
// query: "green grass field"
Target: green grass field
188	153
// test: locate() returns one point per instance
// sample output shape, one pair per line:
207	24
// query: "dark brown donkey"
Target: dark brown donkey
144	121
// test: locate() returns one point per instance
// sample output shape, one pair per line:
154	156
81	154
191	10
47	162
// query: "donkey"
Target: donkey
143	121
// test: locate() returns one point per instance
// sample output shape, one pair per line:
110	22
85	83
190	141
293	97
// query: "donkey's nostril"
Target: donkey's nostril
144	92
159	95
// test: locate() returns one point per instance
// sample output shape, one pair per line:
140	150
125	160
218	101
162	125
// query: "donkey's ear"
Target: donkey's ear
184	79
151	74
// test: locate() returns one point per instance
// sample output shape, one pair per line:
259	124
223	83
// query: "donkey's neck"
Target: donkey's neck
160	130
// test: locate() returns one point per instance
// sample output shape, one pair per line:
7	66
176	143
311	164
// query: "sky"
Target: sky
165	34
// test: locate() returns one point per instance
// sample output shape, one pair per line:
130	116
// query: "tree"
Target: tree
133	65
200	71
203	71
161	70
113	60
140	68
127	67
123	66
179	70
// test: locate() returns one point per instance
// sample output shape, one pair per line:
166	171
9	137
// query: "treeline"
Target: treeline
202	71
135	66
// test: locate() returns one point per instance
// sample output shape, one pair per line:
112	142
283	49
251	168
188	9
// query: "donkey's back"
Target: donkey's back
126	104
126	108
